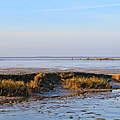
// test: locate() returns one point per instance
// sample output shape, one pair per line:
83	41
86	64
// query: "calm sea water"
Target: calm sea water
94	106
59	63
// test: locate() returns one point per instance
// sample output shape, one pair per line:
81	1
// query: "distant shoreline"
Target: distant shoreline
62	58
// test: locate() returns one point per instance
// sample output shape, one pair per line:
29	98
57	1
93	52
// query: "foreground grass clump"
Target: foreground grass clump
41	82
44	82
20	88
86	83
17	86
13	88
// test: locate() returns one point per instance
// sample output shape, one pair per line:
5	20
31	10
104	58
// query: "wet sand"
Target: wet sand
97	106
13	71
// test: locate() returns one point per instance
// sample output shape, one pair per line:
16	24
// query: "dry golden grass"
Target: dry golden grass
66	75
47	81
13	88
32	84
39	76
87	83
21	88
116	77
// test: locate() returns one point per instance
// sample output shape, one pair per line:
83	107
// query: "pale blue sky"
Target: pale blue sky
59	27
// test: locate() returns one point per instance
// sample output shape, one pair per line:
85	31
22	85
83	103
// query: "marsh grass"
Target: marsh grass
47	81
116	77
41	82
13	88
86	83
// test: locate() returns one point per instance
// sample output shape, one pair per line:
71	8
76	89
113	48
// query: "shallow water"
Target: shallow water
83	65
91	106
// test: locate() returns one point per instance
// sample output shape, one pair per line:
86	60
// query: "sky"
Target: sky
59	28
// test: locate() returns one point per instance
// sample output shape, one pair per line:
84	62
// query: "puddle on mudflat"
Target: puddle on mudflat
94	106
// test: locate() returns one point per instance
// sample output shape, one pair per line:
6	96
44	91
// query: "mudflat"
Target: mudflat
13	71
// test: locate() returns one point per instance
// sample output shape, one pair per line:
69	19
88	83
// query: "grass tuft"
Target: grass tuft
116	77
86	83
13	88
